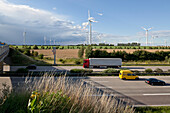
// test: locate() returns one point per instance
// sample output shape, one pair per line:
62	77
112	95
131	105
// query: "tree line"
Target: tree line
135	56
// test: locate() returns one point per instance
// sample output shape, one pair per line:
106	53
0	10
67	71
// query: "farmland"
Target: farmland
70	53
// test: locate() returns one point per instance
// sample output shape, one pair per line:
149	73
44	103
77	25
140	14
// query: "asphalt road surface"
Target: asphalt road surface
67	68
135	92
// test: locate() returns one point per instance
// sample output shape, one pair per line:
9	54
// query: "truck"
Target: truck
102	62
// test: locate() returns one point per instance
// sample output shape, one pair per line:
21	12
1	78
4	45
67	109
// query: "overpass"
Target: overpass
4	50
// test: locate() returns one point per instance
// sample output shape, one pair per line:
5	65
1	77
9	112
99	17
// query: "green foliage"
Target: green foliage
35	54
111	70
22	70
27	52
49	102
169	70
35	47
62	60
88	51
158	70
80	71
148	70
162	109
41	56
77	61
16	102
81	52
42	47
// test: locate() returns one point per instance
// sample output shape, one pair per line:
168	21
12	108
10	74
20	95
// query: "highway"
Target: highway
135	92
67	68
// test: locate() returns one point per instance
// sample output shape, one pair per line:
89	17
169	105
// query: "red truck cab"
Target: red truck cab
86	63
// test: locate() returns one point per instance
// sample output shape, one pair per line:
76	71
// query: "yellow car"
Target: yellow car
127	74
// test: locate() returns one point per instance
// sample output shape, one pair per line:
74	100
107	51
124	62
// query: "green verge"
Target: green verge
19	59
161	109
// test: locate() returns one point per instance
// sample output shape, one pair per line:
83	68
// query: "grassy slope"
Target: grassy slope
18	58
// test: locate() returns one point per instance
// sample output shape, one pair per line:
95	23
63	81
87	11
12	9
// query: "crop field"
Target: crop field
73	53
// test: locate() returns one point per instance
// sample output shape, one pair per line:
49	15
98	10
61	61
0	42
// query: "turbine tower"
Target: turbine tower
44	40
24	35
146	34
85	24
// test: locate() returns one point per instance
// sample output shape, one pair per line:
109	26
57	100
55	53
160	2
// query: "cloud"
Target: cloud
37	23
54	8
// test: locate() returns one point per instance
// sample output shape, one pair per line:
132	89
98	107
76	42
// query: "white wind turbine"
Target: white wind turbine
45	40
24	35
153	37
85	24
146	34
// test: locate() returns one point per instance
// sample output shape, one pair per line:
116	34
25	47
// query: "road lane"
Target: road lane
134	91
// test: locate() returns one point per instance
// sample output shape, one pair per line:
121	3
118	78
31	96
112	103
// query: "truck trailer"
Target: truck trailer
102	62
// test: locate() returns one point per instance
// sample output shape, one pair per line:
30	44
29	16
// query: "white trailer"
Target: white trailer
105	62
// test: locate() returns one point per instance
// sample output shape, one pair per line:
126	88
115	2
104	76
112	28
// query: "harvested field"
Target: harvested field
73	53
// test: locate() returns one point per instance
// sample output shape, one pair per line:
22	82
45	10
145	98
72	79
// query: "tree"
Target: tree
89	51
81	52
35	47
41	56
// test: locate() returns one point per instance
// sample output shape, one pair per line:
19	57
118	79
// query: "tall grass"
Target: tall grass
82	98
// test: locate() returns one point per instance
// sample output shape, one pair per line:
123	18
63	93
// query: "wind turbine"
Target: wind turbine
153	37
44	40
24	35
85	24
146	34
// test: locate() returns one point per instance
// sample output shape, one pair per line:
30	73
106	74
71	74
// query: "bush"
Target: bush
27	52
41	56
42	47
111	70
80	71
149	70
35	54
169	70
77	62
35	47
22	70
158	70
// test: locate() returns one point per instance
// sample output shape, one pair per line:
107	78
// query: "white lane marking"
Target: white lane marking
157	94
101	81
104	87
103	77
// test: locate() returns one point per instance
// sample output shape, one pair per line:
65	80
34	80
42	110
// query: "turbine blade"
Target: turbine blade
143	28
150	28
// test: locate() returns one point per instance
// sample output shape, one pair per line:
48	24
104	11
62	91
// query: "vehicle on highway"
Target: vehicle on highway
154	81
102	62
127	74
32	66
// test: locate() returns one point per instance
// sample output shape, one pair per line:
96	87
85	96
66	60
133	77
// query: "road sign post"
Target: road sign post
54	53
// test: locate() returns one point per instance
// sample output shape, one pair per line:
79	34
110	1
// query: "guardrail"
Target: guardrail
4	50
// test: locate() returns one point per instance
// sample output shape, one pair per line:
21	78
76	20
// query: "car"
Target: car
127	74
154	81
32	66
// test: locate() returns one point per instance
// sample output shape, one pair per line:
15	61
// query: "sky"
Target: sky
60	22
